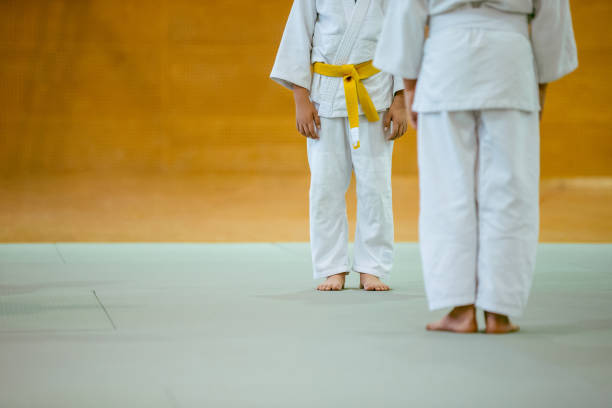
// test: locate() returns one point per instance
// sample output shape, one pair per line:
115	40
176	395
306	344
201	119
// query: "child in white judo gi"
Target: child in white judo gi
472	88
325	59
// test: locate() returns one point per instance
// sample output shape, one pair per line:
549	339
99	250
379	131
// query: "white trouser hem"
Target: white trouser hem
330	272
383	275
332	160
447	303
493	307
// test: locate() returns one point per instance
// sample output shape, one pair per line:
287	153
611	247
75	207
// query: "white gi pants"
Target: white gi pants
479	215
332	160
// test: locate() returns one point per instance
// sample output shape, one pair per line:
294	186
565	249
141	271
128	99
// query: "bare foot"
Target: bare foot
498	324
371	282
333	282
461	319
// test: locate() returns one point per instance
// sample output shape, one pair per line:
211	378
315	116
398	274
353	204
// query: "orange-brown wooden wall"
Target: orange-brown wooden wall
182	86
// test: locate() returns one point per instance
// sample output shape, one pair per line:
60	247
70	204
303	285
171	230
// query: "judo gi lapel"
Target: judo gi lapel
356	13
359	11
349	7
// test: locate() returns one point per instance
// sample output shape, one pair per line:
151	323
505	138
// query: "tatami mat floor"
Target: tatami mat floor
240	325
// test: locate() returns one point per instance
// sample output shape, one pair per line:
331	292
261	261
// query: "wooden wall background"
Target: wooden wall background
182	86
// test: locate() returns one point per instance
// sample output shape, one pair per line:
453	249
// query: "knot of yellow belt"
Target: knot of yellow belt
355	92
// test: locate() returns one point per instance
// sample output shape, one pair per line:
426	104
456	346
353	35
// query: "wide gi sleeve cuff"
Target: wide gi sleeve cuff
398	84
289	79
552	38
400	45
292	65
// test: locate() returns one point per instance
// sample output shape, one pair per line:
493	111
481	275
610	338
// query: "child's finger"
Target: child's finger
386	120
301	130
389	131
400	127
412	119
404	128
315	133
315	130
397	127
317	120
311	131
305	130
316	123
308	130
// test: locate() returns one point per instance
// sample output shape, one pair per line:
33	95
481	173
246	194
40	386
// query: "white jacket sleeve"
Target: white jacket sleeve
400	46
552	38
292	64
398	84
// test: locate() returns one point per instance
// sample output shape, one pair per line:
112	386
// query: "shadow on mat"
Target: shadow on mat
348	296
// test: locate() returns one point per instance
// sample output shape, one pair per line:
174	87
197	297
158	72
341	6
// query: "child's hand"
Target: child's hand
398	115
409	88
306	116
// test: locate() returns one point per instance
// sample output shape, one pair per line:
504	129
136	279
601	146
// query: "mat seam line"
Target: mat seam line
104	308
59	252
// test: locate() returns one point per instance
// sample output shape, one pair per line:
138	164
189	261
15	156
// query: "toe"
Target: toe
437	325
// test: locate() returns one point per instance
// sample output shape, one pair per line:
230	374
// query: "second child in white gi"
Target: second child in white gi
478	142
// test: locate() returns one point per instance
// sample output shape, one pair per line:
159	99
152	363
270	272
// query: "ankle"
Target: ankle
496	316
464	310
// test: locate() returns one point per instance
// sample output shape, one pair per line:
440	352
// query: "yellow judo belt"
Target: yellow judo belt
354	91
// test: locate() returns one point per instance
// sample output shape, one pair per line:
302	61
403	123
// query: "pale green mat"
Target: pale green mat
240	325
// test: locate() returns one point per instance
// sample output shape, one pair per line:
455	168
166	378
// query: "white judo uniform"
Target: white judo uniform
478	137
342	32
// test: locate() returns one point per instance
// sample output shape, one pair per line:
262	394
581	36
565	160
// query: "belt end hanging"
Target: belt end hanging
355	137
